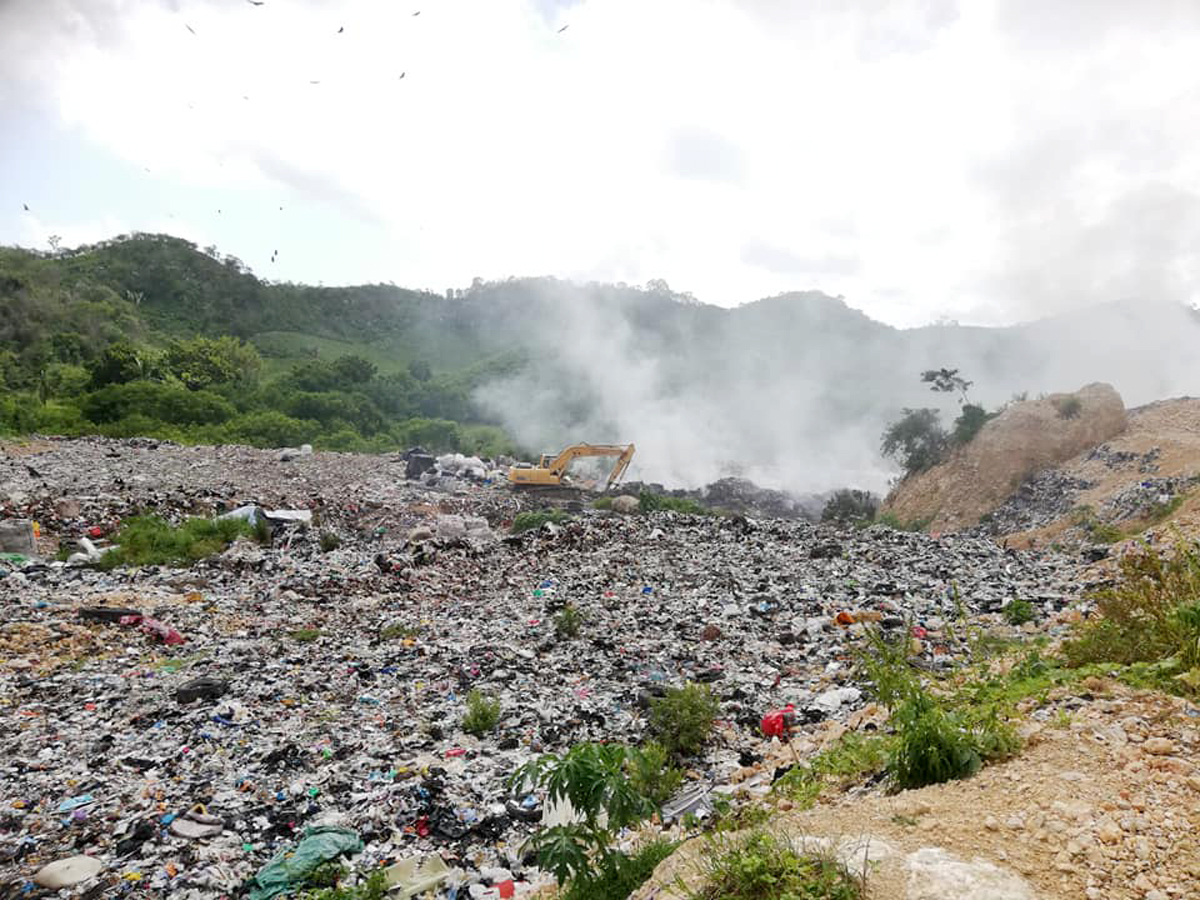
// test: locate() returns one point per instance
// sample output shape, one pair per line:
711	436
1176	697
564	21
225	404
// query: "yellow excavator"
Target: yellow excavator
551	470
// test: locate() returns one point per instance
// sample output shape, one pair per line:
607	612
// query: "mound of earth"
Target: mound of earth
1142	480
1025	439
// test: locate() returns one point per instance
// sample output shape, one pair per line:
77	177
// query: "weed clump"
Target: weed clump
849	506
568	622
622	875
1018	611
304	635
651	774
761	866
483	713
329	541
326	884
153	541
934	741
397	631
1067	407
650	502
529	520
683	719
1151	615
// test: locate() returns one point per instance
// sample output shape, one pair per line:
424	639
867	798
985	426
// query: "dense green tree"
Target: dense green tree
916	440
206	362
119	363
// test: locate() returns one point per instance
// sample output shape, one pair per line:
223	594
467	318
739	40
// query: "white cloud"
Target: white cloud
920	158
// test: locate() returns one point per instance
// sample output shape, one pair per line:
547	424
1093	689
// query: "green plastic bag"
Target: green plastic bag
290	869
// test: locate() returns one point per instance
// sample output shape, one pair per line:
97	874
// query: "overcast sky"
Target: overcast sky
983	161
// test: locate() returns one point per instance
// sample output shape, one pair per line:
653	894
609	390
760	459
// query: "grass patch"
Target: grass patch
329	541
762	866
683	719
851	758
397	632
894	522
483	713
305	635
568	622
526	521
649	502
602	503
153	541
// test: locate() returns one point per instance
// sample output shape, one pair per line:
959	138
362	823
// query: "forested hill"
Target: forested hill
791	390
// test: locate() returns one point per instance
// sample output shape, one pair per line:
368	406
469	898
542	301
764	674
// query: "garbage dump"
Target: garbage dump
199	730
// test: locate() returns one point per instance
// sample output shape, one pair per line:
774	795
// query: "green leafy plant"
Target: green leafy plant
849	506
763	866
326	884
683	719
153	541
305	635
1018	611
529	520
568	622
329	541
969	423
652	775
621	876
483	714
650	502
595	778
916	440
398	631
602	503
1151	615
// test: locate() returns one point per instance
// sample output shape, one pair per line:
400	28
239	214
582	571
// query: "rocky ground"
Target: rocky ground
340	676
1103	803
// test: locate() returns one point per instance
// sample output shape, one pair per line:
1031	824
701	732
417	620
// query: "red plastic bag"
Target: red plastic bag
779	722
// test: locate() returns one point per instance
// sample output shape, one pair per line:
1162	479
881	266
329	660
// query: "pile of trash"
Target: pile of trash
1046	497
188	732
434	470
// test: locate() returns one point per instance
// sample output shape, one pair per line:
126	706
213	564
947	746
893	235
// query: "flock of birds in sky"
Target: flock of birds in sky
341	30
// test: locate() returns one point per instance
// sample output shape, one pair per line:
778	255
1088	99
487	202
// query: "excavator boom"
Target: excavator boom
550	472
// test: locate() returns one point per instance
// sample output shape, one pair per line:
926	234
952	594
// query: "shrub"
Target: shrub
483	713
169	403
763	866
329	541
305	635
1147	616
969	422
849	505
651	774
1068	407
916	440
271	428
1018	611
932	743
153	541
649	502
325	884
931	746
683	719
602	503
568	622
529	520
397	631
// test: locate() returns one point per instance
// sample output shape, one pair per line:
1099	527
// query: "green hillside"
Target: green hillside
149	335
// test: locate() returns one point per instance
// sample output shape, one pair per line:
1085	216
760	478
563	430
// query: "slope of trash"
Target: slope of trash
170	731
